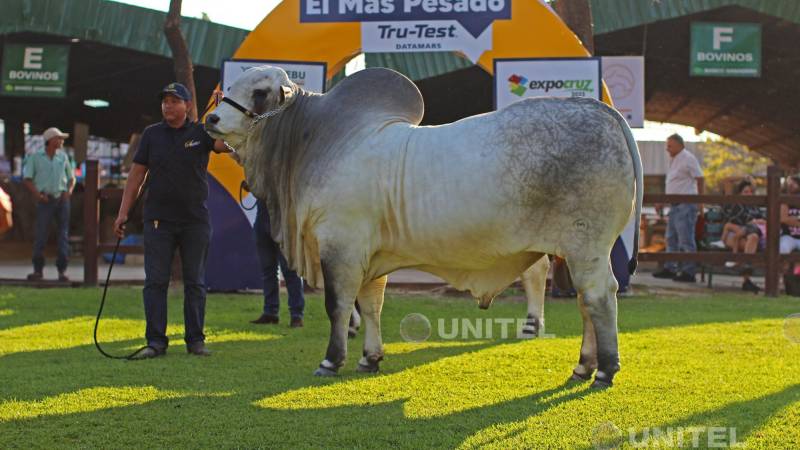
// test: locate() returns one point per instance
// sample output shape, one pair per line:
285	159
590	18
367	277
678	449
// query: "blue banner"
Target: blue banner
474	15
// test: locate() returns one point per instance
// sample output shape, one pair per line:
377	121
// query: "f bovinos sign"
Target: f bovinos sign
725	50
308	75
515	79
415	25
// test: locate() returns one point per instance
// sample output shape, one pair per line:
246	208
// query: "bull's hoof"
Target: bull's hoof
529	332
580	378
352	332
370	368
325	372
601	384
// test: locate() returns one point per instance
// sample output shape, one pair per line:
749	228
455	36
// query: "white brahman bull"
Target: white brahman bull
356	189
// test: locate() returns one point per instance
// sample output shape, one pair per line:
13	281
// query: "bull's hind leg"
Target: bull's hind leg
588	361
341	286
355	321
370	299
534	280
597	290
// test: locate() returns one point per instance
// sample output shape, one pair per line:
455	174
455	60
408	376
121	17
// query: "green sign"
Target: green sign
725	50
31	70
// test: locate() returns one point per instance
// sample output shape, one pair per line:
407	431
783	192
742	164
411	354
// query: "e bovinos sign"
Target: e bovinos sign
415	25
34	70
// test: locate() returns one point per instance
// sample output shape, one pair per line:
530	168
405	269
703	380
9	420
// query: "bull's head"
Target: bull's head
258	92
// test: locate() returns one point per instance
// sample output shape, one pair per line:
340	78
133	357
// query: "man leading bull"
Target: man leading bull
173	154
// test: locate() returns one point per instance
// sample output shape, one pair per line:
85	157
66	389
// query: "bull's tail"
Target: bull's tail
639	176
639	180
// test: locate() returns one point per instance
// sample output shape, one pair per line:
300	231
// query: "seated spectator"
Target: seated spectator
737	218
790	219
754	240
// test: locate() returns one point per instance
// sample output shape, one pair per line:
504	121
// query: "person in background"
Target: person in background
739	220
49	175
684	177
790	219
270	257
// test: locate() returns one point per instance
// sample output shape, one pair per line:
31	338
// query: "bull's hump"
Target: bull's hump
380	94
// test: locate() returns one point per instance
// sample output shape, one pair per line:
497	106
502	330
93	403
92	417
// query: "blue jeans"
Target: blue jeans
680	235
269	254
56	209
160	242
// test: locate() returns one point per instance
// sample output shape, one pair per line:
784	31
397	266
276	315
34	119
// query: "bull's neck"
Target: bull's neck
275	147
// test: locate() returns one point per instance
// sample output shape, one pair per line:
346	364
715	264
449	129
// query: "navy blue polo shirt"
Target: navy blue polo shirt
177	163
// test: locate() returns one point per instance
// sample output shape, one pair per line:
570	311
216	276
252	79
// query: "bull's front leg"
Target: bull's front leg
534	281
342	281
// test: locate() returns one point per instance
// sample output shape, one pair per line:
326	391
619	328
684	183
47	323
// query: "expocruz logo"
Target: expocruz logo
518	85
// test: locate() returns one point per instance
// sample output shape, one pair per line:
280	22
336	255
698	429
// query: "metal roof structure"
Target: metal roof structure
613	15
119	25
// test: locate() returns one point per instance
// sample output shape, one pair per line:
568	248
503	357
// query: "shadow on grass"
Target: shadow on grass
206	420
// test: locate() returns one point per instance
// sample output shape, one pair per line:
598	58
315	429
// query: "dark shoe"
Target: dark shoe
297	322
35	276
665	273
749	286
63	277
150	352
684	277
198	349
266	319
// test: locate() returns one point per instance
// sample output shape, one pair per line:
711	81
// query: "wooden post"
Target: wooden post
773	231
90	218
80	141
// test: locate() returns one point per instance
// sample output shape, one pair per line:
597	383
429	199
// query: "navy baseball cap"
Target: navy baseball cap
176	89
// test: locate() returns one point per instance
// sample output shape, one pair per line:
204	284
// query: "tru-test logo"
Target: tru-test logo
517	85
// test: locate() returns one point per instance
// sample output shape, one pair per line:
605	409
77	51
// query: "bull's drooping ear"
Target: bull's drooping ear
286	94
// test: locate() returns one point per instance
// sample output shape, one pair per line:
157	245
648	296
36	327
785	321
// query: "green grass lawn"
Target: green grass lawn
719	361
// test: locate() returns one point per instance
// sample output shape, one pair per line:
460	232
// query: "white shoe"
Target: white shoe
730	264
717	244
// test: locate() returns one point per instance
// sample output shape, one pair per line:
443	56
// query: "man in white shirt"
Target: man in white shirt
684	177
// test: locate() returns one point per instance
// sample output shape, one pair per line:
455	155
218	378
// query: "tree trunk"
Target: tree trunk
577	14
184	73
184	70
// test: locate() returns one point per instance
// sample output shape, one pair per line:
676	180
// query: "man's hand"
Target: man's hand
119	226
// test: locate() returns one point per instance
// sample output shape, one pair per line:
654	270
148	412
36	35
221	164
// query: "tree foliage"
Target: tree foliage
725	160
